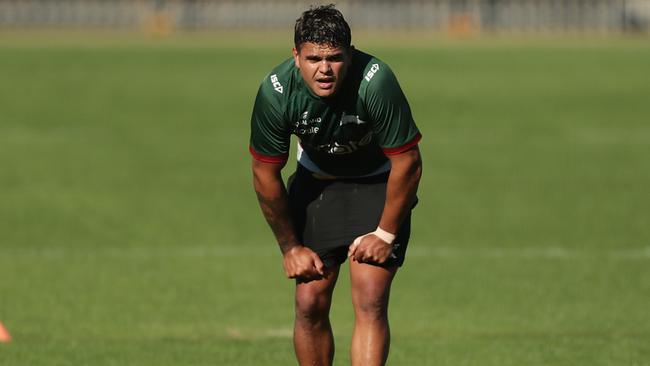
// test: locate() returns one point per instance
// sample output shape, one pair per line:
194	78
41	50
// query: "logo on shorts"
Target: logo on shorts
395	247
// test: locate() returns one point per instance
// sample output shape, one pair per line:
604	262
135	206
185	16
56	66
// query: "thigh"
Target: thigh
329	215
371	285
318	211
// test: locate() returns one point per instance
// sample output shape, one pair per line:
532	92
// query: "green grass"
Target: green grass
130	234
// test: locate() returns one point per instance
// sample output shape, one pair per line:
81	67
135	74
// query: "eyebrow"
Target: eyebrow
332	57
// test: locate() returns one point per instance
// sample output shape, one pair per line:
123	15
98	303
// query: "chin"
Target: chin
324	93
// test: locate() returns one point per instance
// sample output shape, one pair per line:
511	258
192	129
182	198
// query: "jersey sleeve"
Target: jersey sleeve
270	135
386	104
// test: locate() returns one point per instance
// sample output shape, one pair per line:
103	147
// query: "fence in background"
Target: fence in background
460	16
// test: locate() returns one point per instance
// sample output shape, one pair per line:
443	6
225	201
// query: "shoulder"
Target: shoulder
278	83
373	73
272	98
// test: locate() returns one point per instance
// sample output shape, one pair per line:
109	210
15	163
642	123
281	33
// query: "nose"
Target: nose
324	67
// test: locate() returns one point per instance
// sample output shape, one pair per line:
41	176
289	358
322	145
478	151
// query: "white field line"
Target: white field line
240	333
248	251
558	253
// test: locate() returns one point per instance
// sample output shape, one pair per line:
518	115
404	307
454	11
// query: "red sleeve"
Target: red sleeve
280	159
401	149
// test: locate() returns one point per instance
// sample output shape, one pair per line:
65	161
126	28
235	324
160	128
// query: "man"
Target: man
355	185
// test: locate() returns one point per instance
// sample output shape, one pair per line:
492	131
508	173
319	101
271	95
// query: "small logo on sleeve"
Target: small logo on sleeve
276	84
373	69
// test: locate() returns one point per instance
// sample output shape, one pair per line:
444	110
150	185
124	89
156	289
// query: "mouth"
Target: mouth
325	82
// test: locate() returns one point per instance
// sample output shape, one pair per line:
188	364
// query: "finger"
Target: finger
288	272
365	255
351	250
358	255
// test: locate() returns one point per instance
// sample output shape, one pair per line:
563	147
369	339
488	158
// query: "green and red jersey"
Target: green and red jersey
346	135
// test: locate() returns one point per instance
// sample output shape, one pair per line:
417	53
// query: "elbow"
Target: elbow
415	163
416	169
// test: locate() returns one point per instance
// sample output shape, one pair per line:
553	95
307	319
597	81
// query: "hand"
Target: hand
303	263
370	248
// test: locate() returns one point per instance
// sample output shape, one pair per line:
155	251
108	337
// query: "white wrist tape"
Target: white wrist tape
384	235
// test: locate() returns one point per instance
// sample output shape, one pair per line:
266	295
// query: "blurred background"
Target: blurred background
129	229
464	16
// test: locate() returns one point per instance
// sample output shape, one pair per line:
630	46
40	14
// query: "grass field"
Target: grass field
130	234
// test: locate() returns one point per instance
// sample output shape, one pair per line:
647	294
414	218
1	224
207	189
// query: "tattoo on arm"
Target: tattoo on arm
277	214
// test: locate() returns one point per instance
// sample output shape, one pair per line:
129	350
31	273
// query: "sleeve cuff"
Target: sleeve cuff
405	147
280	159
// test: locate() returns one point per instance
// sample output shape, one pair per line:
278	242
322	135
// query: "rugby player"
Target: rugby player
354	187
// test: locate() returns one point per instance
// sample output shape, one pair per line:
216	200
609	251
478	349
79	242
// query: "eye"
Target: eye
335	58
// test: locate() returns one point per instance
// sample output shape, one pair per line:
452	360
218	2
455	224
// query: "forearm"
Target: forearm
274	202
401	189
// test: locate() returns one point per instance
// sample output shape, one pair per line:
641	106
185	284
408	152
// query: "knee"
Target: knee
371	306
312	307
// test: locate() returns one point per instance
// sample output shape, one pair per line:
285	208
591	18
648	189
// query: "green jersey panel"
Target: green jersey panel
270	132
348	134
388	108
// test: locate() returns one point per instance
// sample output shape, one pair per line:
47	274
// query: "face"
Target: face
322	67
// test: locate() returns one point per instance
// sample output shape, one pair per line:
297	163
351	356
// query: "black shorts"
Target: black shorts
329	214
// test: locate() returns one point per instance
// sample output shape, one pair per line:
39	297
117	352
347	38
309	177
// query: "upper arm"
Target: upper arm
267	177
270	135
390	112
409	161
264	170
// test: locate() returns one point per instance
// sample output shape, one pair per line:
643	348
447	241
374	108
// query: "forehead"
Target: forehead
309	48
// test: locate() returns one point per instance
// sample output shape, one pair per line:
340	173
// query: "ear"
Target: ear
296	57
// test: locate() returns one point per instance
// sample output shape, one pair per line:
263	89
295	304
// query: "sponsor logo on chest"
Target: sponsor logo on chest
307	126
344	143
347	144
347	147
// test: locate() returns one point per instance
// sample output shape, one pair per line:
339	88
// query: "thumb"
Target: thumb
357	241
355	244
318	264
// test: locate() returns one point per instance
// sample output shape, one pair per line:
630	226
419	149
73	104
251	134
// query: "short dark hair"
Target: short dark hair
323	25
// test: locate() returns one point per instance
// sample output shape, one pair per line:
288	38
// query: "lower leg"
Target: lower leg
370	341
312	337
370	295
313	341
